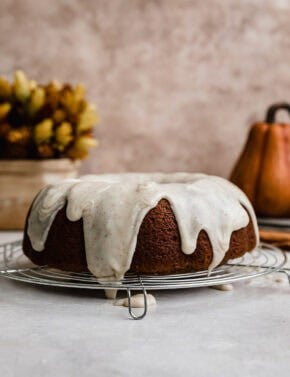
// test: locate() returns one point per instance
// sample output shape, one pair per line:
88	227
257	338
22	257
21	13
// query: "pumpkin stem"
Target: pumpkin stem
272	110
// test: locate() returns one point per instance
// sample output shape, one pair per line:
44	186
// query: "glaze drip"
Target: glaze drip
113	207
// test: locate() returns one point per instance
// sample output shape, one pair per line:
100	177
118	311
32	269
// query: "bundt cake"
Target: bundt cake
146	223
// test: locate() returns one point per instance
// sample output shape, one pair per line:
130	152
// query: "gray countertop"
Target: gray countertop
197	332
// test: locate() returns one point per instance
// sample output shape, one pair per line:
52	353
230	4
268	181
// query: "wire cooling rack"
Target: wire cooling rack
263	260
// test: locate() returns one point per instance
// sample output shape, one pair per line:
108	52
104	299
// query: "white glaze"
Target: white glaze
137	301
113	207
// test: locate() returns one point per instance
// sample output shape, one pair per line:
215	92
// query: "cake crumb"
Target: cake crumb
137	301
279	280
223	287
111	294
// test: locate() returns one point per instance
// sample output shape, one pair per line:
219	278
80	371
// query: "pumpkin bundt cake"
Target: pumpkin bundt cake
146	223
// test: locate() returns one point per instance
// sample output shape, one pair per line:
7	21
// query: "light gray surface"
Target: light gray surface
201	332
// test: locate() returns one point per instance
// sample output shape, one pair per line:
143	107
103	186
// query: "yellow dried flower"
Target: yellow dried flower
58	116
37	100
33	84
19	136
56	85
80	149
45	151
87	119
79	92
52	95
69	102
67	98
55	117
21	86
43	131
4	109
63	135
5	88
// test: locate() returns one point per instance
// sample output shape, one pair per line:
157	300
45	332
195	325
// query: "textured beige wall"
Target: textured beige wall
177	82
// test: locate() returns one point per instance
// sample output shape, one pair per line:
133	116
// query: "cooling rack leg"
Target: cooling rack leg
134	316
287	273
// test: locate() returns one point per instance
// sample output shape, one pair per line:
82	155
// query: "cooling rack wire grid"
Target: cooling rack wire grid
265	259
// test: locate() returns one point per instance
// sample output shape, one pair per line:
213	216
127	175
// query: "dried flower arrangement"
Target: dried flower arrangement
44	121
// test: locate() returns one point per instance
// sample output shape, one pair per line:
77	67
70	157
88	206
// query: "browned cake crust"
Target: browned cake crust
158	249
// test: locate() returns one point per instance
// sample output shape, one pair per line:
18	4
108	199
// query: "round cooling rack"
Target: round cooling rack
265	259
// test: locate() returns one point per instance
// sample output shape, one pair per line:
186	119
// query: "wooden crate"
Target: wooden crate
20	181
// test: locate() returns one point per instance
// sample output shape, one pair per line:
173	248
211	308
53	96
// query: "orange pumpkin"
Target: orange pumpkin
263	168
